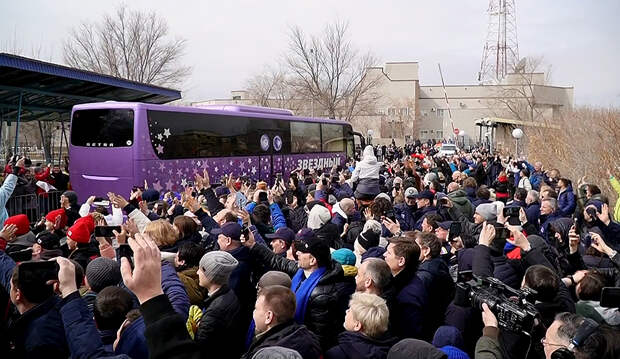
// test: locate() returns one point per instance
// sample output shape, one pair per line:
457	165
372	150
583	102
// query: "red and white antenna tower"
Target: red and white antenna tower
501	50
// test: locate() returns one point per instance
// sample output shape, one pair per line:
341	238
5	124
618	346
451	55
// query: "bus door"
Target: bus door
359	144
271	161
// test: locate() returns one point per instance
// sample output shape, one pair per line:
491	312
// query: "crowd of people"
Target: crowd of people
408	255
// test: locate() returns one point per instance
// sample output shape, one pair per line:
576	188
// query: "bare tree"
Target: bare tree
273	88
329	71
516	95
128	44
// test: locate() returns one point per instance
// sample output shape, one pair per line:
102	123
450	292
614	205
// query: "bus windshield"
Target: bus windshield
102	128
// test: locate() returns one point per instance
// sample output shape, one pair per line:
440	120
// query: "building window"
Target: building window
440	113
391	111
404	111
439	134
238	97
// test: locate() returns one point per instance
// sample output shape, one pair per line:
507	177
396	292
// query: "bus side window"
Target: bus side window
305	137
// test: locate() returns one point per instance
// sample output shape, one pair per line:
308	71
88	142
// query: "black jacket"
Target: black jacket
240	282
324	315
84	253
220	332
329	234
165	332
298	219
355	345
288	335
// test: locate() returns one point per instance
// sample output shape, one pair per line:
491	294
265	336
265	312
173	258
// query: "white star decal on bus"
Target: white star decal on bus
157	186
167	132
242	166
217	169
184	182
230	163
168	185
179	172
159	136
170	171
249	160
160	149
162	167
253	170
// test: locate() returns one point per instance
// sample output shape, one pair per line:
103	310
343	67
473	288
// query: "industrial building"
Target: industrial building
407	110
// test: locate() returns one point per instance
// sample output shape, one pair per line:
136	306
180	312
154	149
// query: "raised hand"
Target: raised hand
145	279
117	200
573	240
121	238
205	178
392	226
66	276
518	238
599	244
604	215
131	227
487	234
8	232
192	204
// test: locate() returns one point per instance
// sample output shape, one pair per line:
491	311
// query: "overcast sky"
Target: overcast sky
230	40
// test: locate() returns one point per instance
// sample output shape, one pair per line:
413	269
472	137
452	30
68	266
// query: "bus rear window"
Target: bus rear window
102	128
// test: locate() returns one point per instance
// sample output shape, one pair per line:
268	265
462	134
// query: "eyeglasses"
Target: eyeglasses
544	341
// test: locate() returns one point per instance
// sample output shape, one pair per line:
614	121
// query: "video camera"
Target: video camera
513	308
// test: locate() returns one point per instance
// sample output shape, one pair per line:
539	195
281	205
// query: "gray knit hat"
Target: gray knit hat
276	353
102	272
217	266
488	211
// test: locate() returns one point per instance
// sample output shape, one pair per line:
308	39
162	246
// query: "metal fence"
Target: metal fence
33	205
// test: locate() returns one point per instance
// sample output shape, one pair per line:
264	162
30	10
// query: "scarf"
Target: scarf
303	289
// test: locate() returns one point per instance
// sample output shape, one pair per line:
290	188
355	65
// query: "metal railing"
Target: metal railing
34	206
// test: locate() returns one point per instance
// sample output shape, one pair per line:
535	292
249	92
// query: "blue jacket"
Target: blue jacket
407	312
544	226
532	212
440	289
536	179
404	215
419	216
342	191
174	289
5	193
567	202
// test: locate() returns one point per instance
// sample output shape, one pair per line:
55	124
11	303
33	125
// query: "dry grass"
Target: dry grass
587	145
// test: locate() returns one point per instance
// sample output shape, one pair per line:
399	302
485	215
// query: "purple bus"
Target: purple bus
117	145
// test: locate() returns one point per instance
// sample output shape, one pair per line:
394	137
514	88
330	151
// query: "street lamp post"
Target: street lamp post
517	133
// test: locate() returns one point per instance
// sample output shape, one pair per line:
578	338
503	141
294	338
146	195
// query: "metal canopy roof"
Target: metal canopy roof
46	88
